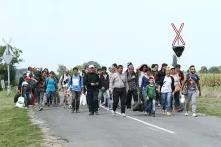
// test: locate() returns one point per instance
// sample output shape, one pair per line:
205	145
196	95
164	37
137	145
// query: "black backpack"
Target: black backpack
26	88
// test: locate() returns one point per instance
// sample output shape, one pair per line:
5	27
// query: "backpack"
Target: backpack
79	79
26	88
33	84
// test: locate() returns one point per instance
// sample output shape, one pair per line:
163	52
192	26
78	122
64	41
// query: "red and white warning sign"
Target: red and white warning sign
177	47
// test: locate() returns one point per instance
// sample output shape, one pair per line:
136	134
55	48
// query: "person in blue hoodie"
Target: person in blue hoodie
76	86
51	86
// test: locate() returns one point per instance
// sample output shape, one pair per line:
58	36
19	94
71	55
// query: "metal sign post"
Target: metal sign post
7	56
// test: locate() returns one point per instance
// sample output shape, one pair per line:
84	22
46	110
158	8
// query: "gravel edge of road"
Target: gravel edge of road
49	140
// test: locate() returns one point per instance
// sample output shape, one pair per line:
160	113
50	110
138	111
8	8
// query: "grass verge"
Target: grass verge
16	130
209	106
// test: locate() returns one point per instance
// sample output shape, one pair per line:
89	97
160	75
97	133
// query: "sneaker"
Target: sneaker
153	115
168	114
40	109
164	112
123	114
72	111
114	112
96	113
194	115
186	114
77	111
146	113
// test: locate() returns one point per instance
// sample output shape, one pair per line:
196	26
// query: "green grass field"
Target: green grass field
210	102
16	130
209	106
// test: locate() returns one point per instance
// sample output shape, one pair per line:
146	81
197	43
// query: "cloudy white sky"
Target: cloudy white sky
71	32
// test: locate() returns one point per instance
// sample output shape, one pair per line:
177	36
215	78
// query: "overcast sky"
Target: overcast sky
71	32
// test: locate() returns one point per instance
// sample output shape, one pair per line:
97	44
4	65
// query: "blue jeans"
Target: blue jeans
150	105
191	97
27	98
166	101
50	97
106	95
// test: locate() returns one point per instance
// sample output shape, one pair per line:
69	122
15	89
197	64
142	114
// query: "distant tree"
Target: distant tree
15	60
203	69
61	70
214	69
219	68
92	63
80	67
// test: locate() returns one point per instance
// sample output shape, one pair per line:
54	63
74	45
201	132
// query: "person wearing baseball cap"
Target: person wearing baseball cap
91	81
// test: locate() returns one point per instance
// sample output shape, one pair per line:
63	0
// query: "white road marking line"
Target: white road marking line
143	122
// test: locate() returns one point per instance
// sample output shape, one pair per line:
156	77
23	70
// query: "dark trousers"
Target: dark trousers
141	94
158	100
75	100
119	93
92	98
177	100
130	94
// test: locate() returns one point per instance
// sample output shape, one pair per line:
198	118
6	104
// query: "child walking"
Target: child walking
150	97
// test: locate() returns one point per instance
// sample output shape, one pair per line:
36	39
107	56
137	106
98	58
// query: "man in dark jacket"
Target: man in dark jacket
104	87
162	72
91	81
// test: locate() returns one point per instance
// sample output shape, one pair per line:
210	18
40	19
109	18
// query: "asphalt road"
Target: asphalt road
135	130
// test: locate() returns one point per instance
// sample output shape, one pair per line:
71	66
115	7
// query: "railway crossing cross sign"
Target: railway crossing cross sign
177	48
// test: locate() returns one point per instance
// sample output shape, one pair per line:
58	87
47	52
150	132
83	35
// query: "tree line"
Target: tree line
213	69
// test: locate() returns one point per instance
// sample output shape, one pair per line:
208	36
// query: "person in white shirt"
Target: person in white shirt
64	86
166	88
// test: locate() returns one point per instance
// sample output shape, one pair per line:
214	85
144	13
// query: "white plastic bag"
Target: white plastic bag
182	99
21	102
83	100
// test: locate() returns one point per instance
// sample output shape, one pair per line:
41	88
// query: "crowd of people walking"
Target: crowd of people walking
145	88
